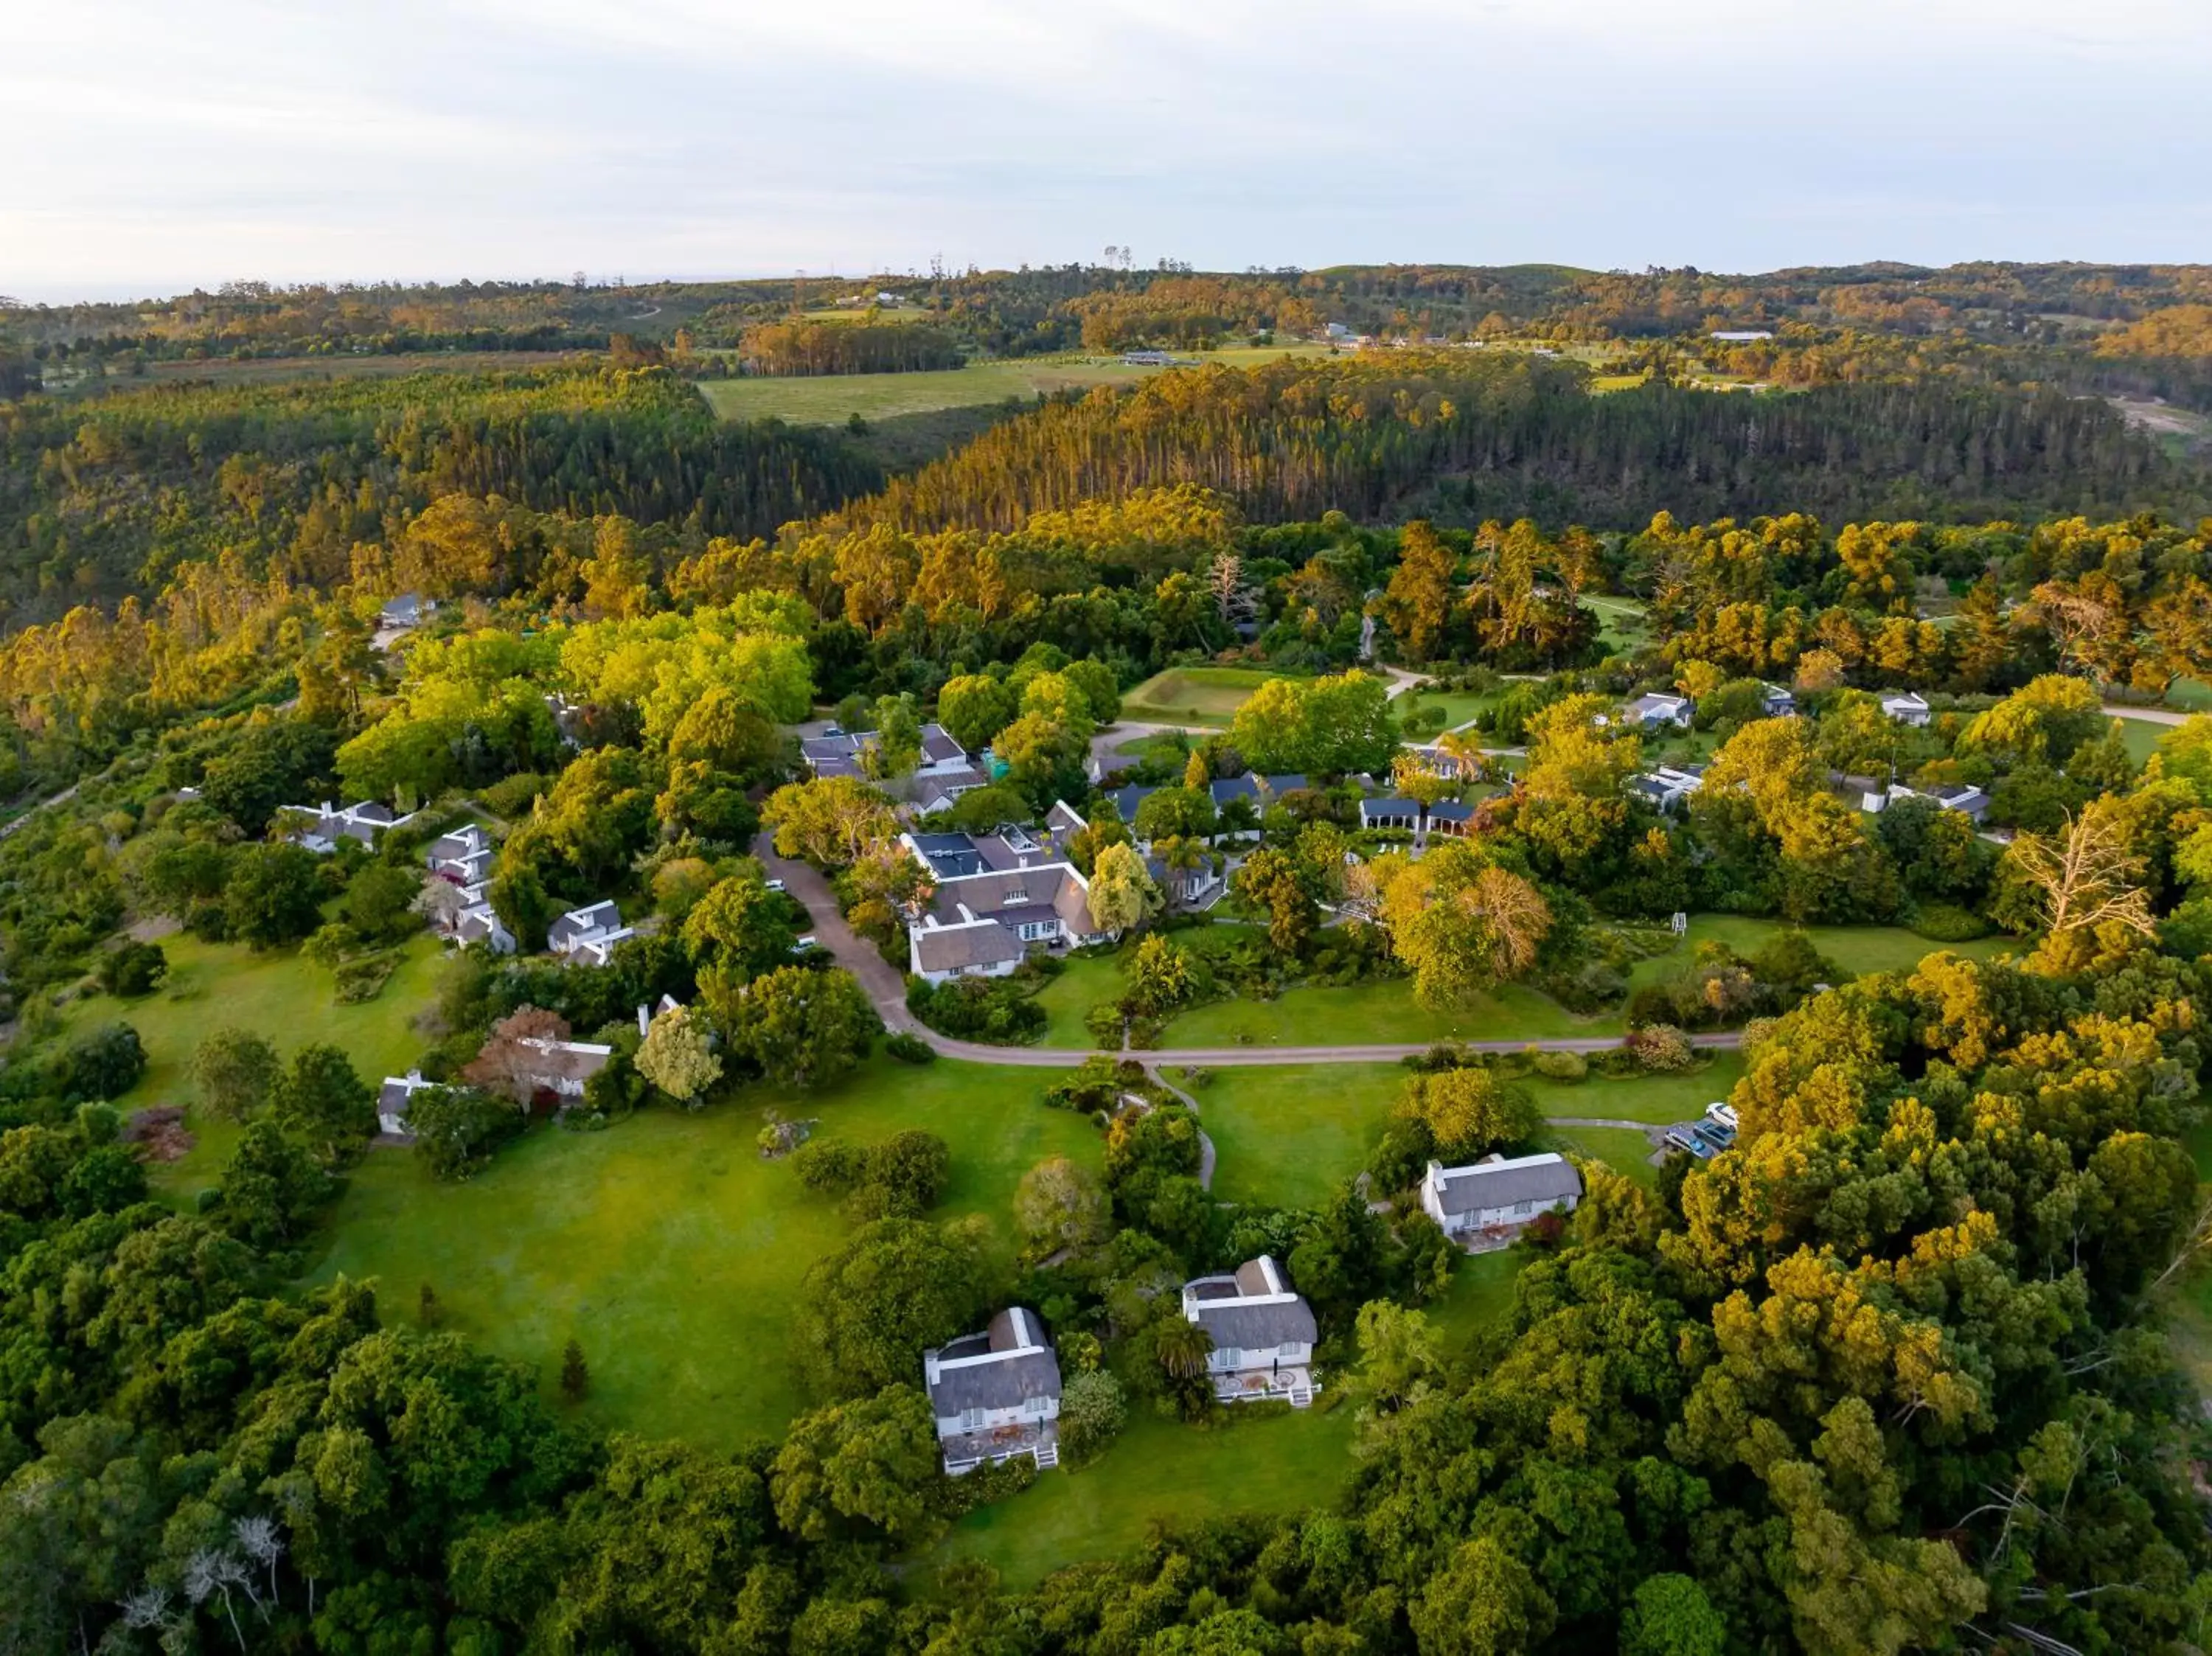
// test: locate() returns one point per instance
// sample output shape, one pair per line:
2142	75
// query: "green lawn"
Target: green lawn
1194	695
1621	625
277	995
1481	1292
1159	1471
1287	1137
832	399
666	1246
1658	1099
1068	998
1378	1013
2143	737
1460	706
1622	1149
1855	949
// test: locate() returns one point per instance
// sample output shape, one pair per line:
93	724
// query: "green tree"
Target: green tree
1123	894
1484	1602
678	1055
1461	924
1281	885
271	1188
1398	1352
133	969
457	1130
800	1028
740	923
895	1286
828	821
1160	976
274	895
236	1072
322	1103
974	708
1671	1616
859	1469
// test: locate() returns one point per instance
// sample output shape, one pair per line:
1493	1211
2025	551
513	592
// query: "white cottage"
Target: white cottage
1263	1333
1490	1201
995	1395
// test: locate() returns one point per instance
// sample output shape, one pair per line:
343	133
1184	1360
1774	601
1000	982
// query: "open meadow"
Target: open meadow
666	1246
1194	695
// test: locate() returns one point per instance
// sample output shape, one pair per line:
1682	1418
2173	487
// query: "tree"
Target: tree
974	708
740	923
678	1055
1044	756
1092	1408
902	1177
895	1286
1168	813
511	1062
803	1028
1123	894
862	1468
272	1187
274	895
575	1375
236	1072
1419	601
1398	1352
828	821
132	969
2086	877
1160	977
1469	1111
102	1063
1485	1602
1458	922
324	1104
457	1130
1060	1205
1671	1616
1281	885
380	903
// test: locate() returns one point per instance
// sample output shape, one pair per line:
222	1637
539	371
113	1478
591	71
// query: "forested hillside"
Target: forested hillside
106	497
1507	436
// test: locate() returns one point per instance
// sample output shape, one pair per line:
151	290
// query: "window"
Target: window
970	1419
1015	898
1523	1209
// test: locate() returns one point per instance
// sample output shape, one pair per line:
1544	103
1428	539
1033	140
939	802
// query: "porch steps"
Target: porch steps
1048	1454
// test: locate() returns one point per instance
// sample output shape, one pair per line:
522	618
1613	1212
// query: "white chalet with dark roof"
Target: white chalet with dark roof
995	1395
1263	1333
1488	1202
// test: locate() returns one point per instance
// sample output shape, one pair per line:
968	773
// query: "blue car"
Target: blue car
1683	1139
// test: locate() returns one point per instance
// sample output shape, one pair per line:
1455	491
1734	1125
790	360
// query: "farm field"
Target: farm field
1159	1470
832	399
1194	695
277	995
666	1246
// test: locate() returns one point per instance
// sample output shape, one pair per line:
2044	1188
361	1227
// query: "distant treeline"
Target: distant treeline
1467	438
109	495
797	349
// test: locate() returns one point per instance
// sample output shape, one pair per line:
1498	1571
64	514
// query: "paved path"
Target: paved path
885	983
1605	1121
29	811
2149	715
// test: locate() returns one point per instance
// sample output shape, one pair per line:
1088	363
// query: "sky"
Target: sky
148	147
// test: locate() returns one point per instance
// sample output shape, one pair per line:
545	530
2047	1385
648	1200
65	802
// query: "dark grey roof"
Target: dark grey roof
1369	807
951	855
1451	810
1251	1326
953	948
1004	1367
1126	800
1541	1179
1249	787
393	1097
937	745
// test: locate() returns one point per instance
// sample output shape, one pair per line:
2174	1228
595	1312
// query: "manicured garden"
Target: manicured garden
1160	1471
277	994
665	1245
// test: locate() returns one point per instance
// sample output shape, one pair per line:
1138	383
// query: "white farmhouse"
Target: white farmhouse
1488	1202
995	1395
1263	1333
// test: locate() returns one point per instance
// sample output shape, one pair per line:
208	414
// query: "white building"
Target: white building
392	1099
1263	1333
1666	787
587	936
1906	708
1489	1202
995	1395
1656	708
319	828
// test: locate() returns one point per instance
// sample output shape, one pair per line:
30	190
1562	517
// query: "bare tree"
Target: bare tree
212	1570
1232	599
146	1609
263	1544
2086	876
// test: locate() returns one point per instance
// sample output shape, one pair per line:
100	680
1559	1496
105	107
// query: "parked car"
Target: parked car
809	941
774	885
1686	1138
1719	1138
1723	1114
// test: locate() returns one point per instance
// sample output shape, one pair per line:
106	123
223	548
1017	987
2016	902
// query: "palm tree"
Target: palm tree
1180	855
1184	1347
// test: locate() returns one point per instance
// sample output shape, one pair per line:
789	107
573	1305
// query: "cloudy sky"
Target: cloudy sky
149	146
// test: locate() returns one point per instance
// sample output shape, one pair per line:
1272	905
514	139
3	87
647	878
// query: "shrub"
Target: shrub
364	979
977	1008
1092	1408
830	1166
910	1049
1562	1066
102	1064
513	796
133	969
1949	923
1660	1048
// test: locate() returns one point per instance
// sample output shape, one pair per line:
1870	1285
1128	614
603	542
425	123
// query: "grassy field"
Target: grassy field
1658	1099
1158	1472
1481	1292
832	399
1382	1012
2143	736
666	1246
1289	1136
1460	705
1855	949
1068	998
1622	1149
277	995
1194	695
1621	623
